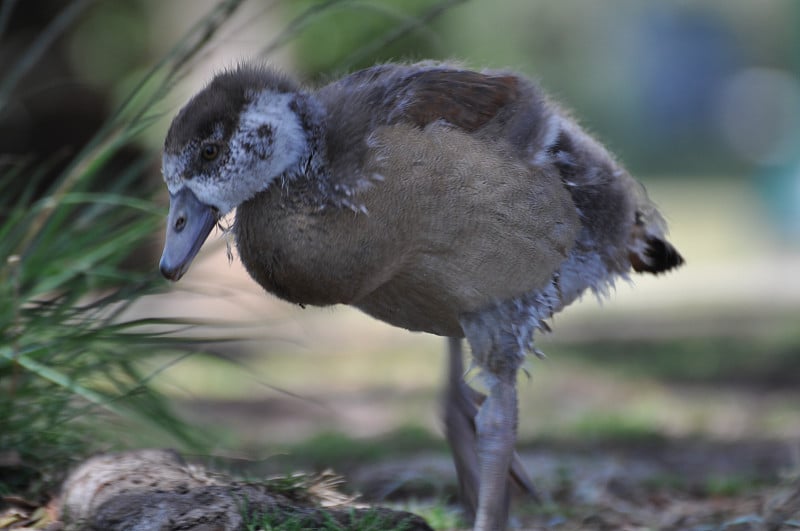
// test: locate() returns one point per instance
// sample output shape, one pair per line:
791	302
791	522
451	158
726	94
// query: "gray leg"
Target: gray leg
496	424
461	404
460	408
498	349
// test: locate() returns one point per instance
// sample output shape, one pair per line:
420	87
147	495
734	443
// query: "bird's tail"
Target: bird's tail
648	249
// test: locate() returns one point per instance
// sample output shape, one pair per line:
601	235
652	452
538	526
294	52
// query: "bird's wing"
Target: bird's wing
465	99
358	106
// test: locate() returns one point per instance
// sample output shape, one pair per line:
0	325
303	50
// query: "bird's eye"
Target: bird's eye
209	151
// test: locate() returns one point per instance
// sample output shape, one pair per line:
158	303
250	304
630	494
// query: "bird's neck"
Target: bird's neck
315	178
312	163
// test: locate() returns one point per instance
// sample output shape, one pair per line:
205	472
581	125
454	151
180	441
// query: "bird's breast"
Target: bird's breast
454	225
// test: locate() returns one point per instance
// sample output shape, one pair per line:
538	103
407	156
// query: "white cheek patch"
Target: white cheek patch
172	168
211	192
205	187
268	141
285	141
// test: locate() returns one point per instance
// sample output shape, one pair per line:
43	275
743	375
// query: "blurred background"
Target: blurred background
700	100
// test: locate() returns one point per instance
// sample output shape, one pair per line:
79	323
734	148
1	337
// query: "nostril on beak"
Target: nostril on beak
180	223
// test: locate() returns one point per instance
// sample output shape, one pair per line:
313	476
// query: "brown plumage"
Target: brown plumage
389	261
431	197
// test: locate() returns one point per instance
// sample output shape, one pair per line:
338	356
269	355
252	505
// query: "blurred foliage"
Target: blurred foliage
665	69
342	35
347	450
658	67
758	362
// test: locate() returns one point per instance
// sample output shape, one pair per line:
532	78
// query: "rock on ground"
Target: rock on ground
156	490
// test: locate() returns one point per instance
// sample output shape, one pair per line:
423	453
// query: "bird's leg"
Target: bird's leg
499	353
460	408
461	403
496	425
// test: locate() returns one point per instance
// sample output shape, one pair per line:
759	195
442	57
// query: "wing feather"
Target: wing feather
467	100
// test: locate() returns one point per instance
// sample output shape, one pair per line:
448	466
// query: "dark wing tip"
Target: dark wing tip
659	256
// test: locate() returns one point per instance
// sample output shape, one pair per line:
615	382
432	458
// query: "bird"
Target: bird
437	198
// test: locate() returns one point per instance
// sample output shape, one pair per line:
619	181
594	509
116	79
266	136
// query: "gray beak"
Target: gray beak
188	225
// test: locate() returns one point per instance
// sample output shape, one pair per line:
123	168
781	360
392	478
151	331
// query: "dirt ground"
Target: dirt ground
670	485
625	481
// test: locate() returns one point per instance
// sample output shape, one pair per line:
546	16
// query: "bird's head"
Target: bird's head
228	143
